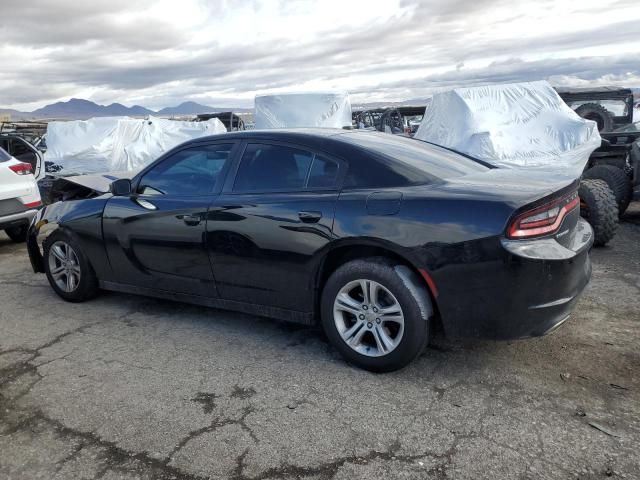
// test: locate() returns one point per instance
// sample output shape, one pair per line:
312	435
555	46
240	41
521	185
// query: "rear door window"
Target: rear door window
268	168
282	168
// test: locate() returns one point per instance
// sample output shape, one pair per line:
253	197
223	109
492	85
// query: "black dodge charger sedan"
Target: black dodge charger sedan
377	237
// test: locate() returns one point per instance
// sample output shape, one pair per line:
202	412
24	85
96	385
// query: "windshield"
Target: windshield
618	108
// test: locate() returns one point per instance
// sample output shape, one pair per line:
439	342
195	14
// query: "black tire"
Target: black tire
87	287
410	294
618	182
17	234
597	113
598	207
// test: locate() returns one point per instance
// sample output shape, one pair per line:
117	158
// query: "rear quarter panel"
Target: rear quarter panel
452	237
426	218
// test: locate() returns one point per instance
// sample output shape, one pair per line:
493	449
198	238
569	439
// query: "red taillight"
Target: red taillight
33	204
21	168
543	220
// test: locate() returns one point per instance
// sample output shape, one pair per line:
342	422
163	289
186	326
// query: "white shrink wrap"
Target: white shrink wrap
114	144
519	125
292	110
81	145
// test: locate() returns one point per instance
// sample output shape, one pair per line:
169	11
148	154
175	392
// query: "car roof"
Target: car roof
331	140
292	134
312	137
335	141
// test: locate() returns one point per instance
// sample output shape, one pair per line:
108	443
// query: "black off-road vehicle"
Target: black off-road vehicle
613	170
609	107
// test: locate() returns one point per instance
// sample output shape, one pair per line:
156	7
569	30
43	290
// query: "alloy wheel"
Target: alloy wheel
64	266
368	317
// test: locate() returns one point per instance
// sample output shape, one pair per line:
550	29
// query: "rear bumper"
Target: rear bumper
530	291
16	219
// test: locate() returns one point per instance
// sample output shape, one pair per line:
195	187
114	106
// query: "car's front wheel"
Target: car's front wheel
68	270
376	313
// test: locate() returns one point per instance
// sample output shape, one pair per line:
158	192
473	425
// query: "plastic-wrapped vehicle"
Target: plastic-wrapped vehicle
112	144
329	109
524	125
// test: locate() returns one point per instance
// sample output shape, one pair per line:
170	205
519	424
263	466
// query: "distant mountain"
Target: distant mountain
11	112
188	108
80	109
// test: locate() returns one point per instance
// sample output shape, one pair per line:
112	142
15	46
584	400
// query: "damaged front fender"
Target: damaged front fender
84	219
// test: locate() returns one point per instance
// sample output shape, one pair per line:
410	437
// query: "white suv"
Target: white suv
19	196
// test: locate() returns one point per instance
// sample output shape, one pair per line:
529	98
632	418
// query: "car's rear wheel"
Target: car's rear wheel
68	270
17	234
376	313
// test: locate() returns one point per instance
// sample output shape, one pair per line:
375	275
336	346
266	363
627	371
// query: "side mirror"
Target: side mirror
121	187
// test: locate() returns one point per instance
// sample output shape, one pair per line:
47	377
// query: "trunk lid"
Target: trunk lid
515	187
521	190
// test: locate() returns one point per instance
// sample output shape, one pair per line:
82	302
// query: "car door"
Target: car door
264	232
25	152
155	237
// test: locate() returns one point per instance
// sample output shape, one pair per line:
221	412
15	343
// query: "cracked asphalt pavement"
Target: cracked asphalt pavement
130	387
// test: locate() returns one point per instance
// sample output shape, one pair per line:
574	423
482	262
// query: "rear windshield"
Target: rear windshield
4	156
414	161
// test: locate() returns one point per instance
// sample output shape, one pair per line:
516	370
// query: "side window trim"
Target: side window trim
222	177
308	175
337	181
227	189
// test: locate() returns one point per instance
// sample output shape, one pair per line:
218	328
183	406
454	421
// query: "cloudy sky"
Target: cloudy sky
159	53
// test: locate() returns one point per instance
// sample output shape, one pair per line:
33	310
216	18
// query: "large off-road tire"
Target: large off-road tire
598	207
68	269
618	182
597	113
17	234
376	313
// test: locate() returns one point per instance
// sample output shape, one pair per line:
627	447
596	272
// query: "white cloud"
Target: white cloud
221	52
